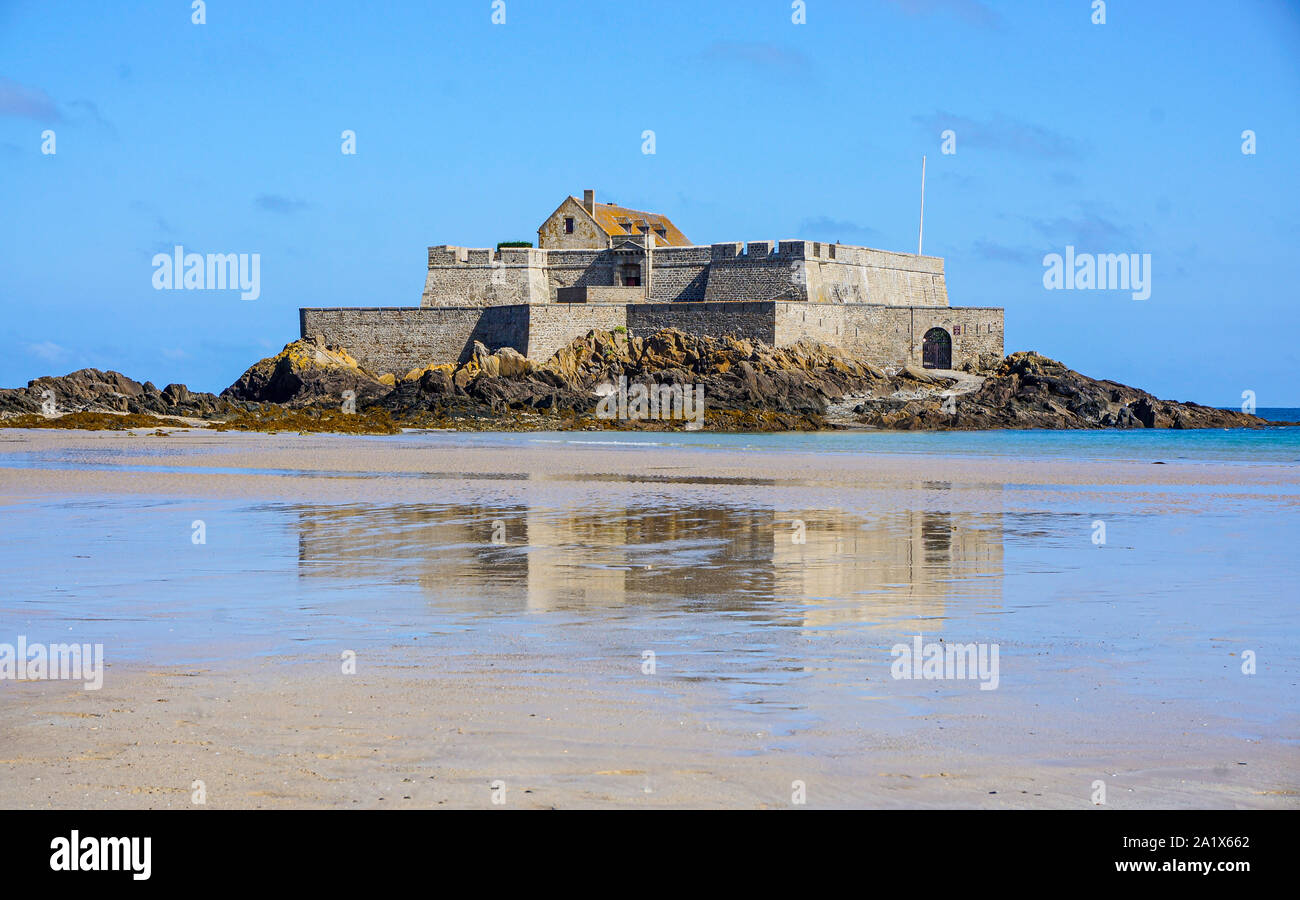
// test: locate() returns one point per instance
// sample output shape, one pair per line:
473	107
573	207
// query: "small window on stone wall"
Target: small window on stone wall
568	224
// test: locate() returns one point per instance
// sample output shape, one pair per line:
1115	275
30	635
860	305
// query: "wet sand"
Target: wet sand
272	735
523	664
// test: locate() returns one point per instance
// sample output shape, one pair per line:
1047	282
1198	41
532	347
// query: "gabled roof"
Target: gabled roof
615	221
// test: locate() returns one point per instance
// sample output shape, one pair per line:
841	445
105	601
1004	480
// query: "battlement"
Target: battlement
758	249
826	252
789	270
448	255
481	276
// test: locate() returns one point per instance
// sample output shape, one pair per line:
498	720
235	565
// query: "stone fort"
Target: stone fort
600	265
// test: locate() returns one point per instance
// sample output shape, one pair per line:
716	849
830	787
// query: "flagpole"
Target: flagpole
920	236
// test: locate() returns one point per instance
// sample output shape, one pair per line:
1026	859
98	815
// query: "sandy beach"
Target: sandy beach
501	597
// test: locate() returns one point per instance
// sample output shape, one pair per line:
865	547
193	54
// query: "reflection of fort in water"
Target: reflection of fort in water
893	566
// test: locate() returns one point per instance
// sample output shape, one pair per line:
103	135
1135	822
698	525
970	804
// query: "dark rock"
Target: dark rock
1144	411
90	390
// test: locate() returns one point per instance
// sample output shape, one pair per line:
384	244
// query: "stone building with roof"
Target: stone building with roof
601	265
588	225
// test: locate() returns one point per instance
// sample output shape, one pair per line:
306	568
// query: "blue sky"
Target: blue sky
225	137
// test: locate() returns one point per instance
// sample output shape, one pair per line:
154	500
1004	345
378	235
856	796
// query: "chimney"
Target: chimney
589	201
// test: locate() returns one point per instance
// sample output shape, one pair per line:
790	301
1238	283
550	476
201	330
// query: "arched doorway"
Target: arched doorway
936	349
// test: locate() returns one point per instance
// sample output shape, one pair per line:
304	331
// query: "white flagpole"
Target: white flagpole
920	237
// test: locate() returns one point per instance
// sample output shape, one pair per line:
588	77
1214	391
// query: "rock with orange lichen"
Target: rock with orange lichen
305	373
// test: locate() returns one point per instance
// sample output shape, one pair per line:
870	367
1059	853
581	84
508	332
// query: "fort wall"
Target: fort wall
759	270
750	321
680	273
593	293
841	274
890	335
397	339
551	327
577	268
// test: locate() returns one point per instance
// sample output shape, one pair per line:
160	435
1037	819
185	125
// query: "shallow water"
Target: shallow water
787	603
1264	445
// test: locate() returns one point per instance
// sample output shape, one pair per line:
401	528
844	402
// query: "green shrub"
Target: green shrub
514	244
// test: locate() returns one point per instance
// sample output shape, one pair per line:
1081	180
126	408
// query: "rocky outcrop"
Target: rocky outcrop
90	390
747	385
743	381
1028	390
304	373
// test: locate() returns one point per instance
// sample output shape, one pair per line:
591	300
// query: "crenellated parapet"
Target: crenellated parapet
818	272
481	276
809	271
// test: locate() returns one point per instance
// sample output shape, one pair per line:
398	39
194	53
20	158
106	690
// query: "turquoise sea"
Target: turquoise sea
1277	444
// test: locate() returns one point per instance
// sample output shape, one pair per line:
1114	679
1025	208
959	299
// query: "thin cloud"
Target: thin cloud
1003	133
160	223
83	112
965	182
826	228
48	351
1088	230
275	203
27	102
758	55
996	252
972	11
